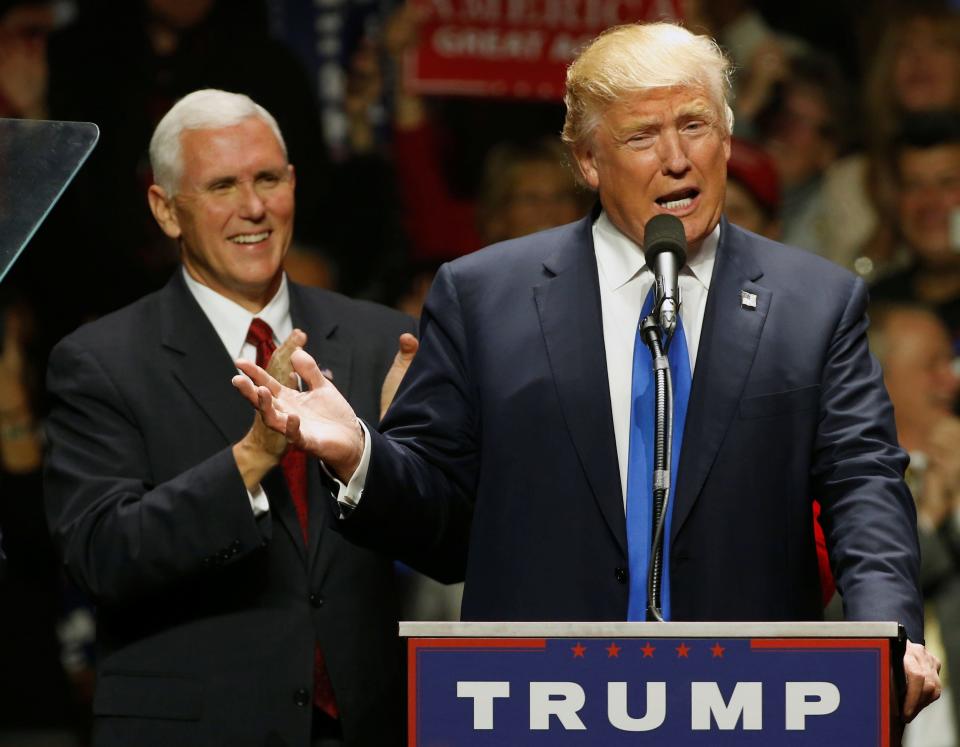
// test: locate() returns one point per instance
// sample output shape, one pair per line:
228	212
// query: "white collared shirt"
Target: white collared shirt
231	322
625	281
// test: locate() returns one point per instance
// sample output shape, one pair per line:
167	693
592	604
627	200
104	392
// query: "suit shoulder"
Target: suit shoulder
125	329
526	253
793	264
357	312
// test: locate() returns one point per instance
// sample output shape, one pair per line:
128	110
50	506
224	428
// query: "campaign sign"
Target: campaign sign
473	692
513	48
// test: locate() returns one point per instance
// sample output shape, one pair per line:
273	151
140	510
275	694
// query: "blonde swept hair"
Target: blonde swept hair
638	57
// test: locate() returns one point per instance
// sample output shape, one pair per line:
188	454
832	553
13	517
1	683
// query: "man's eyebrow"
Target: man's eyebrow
698	108
217	181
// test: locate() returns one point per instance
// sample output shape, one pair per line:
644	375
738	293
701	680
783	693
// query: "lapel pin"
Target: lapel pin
748	300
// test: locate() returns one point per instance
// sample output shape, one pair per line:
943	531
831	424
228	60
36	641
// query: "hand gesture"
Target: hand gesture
319	420
401	362
261	448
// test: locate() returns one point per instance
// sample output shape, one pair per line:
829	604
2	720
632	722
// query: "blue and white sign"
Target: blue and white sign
565	691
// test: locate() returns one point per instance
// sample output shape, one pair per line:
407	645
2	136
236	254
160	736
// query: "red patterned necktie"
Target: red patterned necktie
294	465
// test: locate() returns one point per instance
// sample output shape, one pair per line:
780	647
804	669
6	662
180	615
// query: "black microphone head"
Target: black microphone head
664	233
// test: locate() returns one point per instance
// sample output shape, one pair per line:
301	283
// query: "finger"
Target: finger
272	417
912	697
247	388
408	344
258	376
292	431
306	366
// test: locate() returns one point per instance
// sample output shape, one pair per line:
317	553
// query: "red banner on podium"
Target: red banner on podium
514	48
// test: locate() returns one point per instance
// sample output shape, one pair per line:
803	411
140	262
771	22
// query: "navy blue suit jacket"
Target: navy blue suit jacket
506	413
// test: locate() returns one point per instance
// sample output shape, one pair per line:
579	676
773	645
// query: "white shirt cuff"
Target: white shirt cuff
258	501
349	494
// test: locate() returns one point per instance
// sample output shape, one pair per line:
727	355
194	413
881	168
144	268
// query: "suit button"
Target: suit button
302	697
316	600
621	575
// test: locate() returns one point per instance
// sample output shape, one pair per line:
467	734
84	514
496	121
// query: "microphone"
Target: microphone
665	249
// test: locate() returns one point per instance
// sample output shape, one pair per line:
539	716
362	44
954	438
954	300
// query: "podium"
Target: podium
673	683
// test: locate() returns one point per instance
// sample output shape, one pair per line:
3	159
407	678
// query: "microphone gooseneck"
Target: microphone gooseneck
665	251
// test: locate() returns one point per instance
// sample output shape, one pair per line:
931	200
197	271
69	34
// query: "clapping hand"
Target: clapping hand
318	420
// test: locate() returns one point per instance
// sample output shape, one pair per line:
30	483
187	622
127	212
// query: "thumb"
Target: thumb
280	360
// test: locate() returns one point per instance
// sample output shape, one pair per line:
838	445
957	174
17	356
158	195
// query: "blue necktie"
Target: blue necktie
640	464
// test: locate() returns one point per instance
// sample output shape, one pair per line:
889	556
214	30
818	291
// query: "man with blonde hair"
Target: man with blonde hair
520	406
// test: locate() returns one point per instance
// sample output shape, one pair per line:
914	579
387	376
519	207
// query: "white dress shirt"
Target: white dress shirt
625	281
231	322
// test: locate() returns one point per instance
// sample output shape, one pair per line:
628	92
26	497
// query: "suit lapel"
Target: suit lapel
334	356
570	317
728	343
204	368
309	313
200	362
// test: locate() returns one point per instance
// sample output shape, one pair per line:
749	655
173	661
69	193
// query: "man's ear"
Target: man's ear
586	162
163	211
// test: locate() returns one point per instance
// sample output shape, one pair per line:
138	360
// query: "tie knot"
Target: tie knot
261	337
259	333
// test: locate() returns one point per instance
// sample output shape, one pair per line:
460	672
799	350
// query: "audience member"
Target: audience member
926	167
804	128
752	199
914	349
523	187
914	67
36	702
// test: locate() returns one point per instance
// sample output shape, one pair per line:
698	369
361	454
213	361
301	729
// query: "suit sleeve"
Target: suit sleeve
121	533
868	514
418	498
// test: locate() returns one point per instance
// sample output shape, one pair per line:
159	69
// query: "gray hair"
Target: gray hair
205	109
638	57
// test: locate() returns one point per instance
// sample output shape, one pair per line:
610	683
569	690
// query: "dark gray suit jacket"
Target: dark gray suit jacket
207	617
506	413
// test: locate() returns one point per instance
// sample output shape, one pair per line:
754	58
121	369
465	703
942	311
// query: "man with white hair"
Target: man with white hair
228	612
523	406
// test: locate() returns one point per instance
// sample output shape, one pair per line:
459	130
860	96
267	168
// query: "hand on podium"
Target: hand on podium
922	670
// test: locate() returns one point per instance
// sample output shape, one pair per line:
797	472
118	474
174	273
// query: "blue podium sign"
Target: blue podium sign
655	690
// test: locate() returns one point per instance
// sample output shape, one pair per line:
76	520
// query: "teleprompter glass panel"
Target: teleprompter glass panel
38	160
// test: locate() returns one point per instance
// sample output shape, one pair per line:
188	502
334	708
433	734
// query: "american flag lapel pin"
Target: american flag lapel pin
748	300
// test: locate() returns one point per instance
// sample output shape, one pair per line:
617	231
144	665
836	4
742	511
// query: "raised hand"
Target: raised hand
261	448
318	420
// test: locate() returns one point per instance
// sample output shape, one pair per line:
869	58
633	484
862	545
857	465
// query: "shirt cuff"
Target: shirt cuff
349	494
258	501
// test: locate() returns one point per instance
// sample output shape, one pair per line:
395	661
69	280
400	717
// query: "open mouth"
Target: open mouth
250	238
678	200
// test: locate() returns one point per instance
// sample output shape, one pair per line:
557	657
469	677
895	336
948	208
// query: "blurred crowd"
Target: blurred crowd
846	145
